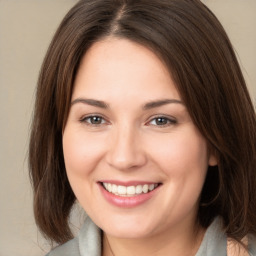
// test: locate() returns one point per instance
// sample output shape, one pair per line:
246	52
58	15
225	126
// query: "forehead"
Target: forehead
122	67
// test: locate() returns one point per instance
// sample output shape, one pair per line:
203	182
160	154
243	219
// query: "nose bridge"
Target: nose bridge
125	152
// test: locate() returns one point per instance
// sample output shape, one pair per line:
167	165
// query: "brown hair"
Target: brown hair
194	46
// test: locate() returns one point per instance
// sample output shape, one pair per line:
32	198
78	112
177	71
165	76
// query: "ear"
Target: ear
212	161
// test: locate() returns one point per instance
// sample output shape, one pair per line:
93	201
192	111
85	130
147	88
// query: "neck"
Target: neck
178	242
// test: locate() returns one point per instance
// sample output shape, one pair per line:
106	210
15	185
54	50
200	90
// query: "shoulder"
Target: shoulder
67	249
88	242
214	241
252	245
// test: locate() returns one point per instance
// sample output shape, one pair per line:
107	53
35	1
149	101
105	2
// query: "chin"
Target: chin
128	233
128	229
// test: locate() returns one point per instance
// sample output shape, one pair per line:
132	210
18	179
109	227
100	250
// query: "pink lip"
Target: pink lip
127	202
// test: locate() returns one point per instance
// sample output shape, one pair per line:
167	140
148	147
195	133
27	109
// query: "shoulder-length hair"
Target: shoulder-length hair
192	43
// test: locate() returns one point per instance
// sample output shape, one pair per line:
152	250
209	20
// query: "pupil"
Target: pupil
161	121
96	120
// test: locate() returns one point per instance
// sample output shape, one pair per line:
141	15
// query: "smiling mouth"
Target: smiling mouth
129	191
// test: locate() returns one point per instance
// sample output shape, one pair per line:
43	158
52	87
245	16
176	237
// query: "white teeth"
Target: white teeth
130	190
151	187
145	188
121	190
138	189
114	188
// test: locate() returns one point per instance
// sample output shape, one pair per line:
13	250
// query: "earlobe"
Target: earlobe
212	160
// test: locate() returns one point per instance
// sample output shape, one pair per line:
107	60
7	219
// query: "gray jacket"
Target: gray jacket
88	242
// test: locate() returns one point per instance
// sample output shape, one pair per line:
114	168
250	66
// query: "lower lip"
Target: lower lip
127	201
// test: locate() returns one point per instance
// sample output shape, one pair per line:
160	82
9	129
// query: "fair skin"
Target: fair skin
128	127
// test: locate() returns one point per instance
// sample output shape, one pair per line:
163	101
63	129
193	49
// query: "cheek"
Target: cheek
183	158
180	154
81	152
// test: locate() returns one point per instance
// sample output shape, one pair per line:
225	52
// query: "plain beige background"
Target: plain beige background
26	27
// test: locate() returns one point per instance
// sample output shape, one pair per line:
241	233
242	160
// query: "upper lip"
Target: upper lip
128	183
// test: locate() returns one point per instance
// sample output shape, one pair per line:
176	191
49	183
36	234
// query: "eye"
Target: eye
162	121
93	120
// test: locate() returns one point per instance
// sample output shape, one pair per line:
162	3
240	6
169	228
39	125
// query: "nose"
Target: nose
125	149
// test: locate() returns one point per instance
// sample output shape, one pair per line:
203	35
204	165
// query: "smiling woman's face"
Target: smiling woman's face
134	158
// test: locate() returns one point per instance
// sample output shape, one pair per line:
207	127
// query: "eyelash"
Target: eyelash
167	121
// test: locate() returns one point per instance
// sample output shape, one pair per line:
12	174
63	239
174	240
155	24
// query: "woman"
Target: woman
143	116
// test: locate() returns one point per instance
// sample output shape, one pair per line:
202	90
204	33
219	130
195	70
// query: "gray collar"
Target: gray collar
214	241
89	239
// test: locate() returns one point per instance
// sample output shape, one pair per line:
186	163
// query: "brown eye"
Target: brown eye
162	121
93	120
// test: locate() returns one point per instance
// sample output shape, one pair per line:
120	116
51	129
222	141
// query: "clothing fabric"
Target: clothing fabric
88	242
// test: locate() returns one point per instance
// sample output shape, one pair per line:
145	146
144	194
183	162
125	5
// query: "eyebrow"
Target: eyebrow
104	105
159	103
91	102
